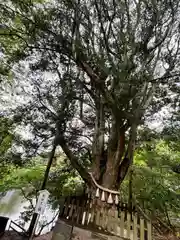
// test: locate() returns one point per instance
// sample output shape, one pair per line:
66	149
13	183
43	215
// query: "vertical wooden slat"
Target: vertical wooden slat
89	212
122	224
74	213
66	207
102	217
71	208
149	230
109	220
141	229
97	217
128	225
135	227
89	218
78	213
116	222
118	228
83	218
97	212
106	219
119	222
76	210
112	220
84	209
82	214
62	203
116	214
92	213
80	210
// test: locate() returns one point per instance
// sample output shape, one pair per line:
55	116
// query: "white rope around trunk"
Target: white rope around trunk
102	188
106	194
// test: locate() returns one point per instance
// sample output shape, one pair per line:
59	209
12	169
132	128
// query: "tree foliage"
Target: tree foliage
63	180
108	65
6	139
6	136
155	187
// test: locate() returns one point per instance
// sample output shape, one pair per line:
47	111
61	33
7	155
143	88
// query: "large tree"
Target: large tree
113	60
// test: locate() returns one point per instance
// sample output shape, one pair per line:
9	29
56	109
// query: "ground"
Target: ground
14	236
47	236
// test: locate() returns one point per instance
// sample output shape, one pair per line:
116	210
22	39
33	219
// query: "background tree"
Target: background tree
6	139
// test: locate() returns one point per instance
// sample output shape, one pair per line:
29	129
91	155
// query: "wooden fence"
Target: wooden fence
115	220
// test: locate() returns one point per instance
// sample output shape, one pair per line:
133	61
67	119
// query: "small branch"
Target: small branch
165	77
80	135
48	223
41	102
27	198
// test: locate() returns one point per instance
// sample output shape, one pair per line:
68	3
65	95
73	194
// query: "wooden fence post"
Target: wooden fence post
141	229
135	227
128	225
122	224
149	230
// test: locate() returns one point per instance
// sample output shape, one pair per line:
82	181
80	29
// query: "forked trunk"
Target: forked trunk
116	150
118	158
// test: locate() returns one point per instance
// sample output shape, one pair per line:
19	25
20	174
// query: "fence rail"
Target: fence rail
115	220
21	231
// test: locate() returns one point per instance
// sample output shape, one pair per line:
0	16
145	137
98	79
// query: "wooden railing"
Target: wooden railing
21	231
115	220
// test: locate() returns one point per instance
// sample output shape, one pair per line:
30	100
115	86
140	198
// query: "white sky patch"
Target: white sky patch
156	122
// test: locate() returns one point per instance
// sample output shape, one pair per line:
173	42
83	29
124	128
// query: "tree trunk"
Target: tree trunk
128	159
116	168
116	148
98	141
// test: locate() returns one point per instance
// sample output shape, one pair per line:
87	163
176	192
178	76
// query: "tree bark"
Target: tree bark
98	142
116	149
128	159
116	168
46	174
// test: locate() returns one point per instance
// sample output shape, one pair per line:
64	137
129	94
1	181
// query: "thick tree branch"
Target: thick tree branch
46	174
128	159
74	160
165	77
